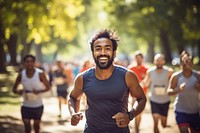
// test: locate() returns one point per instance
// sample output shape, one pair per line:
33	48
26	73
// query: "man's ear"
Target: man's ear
115	53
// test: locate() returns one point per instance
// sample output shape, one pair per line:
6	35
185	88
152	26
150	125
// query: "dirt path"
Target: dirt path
53	124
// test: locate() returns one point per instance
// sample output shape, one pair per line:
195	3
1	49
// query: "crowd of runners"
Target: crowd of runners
104	85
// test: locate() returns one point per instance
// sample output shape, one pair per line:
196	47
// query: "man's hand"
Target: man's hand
36	92
76	118
19	92
182	87
197	86
122	119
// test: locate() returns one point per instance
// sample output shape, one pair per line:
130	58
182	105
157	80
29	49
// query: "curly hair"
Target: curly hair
184	56
29	56
105	33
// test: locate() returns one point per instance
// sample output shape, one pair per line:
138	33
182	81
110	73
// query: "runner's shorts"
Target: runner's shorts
32	113
185	119
161	109
62	91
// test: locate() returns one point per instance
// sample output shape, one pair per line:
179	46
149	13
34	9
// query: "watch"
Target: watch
130	115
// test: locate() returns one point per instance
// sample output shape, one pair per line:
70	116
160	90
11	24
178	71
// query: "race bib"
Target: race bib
159	90
31	97
59	81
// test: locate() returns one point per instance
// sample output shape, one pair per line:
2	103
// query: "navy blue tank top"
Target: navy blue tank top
105	98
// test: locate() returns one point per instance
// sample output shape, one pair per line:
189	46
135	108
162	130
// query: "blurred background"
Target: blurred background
60	30
52	29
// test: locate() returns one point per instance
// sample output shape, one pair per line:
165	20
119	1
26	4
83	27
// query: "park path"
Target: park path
53	124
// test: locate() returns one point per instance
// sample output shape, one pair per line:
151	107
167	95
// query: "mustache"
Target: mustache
103	56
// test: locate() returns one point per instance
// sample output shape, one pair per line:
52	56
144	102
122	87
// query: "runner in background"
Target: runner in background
185	84
158	78
61	80
34	84
140	70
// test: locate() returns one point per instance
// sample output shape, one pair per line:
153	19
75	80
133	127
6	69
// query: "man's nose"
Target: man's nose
103	51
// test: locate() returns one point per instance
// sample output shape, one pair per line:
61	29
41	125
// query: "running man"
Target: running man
34	84
158	78
140	70
107	87
185	84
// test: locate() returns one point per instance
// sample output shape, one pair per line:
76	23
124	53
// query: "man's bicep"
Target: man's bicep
173	82
134	86
44	80
77	91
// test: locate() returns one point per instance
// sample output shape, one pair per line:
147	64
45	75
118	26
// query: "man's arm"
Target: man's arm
173	84
16	84
137	92
197	84
74	101
44	80
170	72
146	81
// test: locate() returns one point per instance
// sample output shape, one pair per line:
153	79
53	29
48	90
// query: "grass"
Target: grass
9	102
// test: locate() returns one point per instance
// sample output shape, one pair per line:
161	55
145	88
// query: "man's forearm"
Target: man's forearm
74	105
140	107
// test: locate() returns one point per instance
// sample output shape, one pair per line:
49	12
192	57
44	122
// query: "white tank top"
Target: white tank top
159	85
188	100
29	98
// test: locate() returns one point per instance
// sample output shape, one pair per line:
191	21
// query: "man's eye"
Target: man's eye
98	49
108	49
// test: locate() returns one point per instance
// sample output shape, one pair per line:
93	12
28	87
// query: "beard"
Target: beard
159	66
103	65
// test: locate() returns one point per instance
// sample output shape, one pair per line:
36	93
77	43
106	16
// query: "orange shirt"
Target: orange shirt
140	71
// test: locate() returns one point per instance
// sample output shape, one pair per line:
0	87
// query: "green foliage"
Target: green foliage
57	24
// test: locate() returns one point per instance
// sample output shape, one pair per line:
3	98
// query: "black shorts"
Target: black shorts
192	120
62	91
32	113
161	109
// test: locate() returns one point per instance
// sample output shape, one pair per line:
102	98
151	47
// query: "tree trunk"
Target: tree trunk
38	50
2	51
27	47
165	46
150	53
180	48
2	59
12	48
198	50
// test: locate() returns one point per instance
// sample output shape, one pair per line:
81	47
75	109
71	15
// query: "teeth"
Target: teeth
103	58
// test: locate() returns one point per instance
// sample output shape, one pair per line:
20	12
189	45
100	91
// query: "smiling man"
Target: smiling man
107	88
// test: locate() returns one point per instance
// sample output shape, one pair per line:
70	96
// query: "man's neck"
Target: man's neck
30	72
187	73
103	74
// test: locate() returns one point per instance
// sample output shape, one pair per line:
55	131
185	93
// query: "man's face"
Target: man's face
159	62
103	53
29	63
59	64
187	63
139	60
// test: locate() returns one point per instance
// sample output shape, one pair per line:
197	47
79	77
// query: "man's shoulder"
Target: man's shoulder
177	74
87	72
167	68
153	68
122	68
39	70
131	66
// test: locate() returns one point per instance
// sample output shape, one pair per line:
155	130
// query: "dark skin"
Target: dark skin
30	70
103	46
159	62
186	66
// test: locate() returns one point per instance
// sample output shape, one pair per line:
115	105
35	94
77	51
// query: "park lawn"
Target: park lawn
9	103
